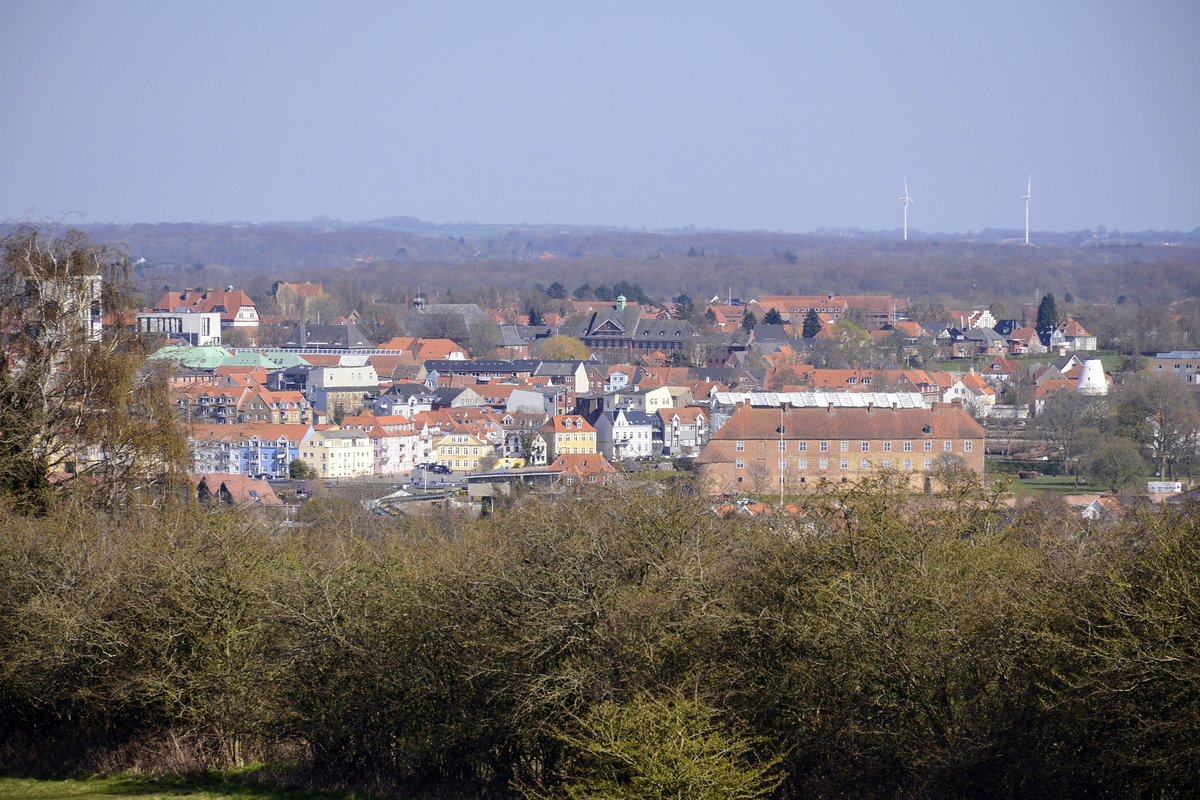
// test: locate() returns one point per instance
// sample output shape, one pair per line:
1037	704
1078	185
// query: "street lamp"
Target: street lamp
782	460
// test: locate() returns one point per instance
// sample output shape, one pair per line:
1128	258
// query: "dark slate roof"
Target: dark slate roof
983	335
447	394
1005	327
406	390
328	336
666	330
561	369
622	323
510	336
451	321
632	417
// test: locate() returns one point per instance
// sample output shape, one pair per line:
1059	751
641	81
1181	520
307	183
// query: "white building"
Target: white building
197	328
624	434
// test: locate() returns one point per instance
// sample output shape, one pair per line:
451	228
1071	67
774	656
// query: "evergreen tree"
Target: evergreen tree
812	325
749	320
535	317
684	307
773	317
1047	313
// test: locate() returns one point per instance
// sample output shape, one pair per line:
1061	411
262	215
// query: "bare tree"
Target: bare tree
77	400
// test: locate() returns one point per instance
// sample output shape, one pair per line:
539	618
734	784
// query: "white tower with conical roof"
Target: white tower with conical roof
1091	378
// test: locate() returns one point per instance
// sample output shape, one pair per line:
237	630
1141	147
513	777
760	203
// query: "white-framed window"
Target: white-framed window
782	446
824	447
887	447
887	463
741	463
947	445
824	463
928	446
845	463
928	463
803	447
908	447
782	463
845	447
864	463
908	463
866	447
740	447
967	446
803	463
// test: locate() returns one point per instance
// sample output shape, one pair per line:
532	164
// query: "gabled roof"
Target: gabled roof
1054	386
576	464
567	423
227	302
687	416
310	334
1002	366
238	490
1073	329
944	422
245	432
631	417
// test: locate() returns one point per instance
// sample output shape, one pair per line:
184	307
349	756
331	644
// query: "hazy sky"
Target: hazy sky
781	115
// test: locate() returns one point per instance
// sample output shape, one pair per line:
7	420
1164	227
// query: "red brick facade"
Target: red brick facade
749	453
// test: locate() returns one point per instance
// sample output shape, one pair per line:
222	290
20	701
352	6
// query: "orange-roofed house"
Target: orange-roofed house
427	349
567	433
1024	341
583	469
754	453
242	491
235	306
1076	337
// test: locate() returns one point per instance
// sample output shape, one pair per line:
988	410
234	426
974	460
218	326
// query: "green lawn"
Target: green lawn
132	787
1060	484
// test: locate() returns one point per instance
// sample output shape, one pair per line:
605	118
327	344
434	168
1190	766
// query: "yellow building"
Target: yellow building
337	453
461	451
568	433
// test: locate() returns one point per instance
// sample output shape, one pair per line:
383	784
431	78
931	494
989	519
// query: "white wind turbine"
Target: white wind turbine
907	202
1027	197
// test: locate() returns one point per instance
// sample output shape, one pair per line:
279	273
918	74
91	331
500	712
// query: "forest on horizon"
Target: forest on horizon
390	263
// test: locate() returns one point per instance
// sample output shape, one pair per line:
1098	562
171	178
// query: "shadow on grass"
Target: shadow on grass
218	785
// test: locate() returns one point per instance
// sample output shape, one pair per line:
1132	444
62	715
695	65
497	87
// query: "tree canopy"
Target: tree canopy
77	398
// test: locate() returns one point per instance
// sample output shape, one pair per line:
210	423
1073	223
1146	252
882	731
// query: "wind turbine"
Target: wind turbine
907	202
1027	197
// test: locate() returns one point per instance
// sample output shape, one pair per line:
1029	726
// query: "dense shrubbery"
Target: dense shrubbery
627	643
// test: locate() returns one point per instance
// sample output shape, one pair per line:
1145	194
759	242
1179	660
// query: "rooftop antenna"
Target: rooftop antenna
907	202
1027	197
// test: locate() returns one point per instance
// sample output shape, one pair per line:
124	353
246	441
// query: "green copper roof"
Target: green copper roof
206	357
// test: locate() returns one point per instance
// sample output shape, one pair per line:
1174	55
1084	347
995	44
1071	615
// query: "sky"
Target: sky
785	116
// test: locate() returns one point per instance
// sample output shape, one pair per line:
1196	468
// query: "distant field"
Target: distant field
141	787
1059	484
